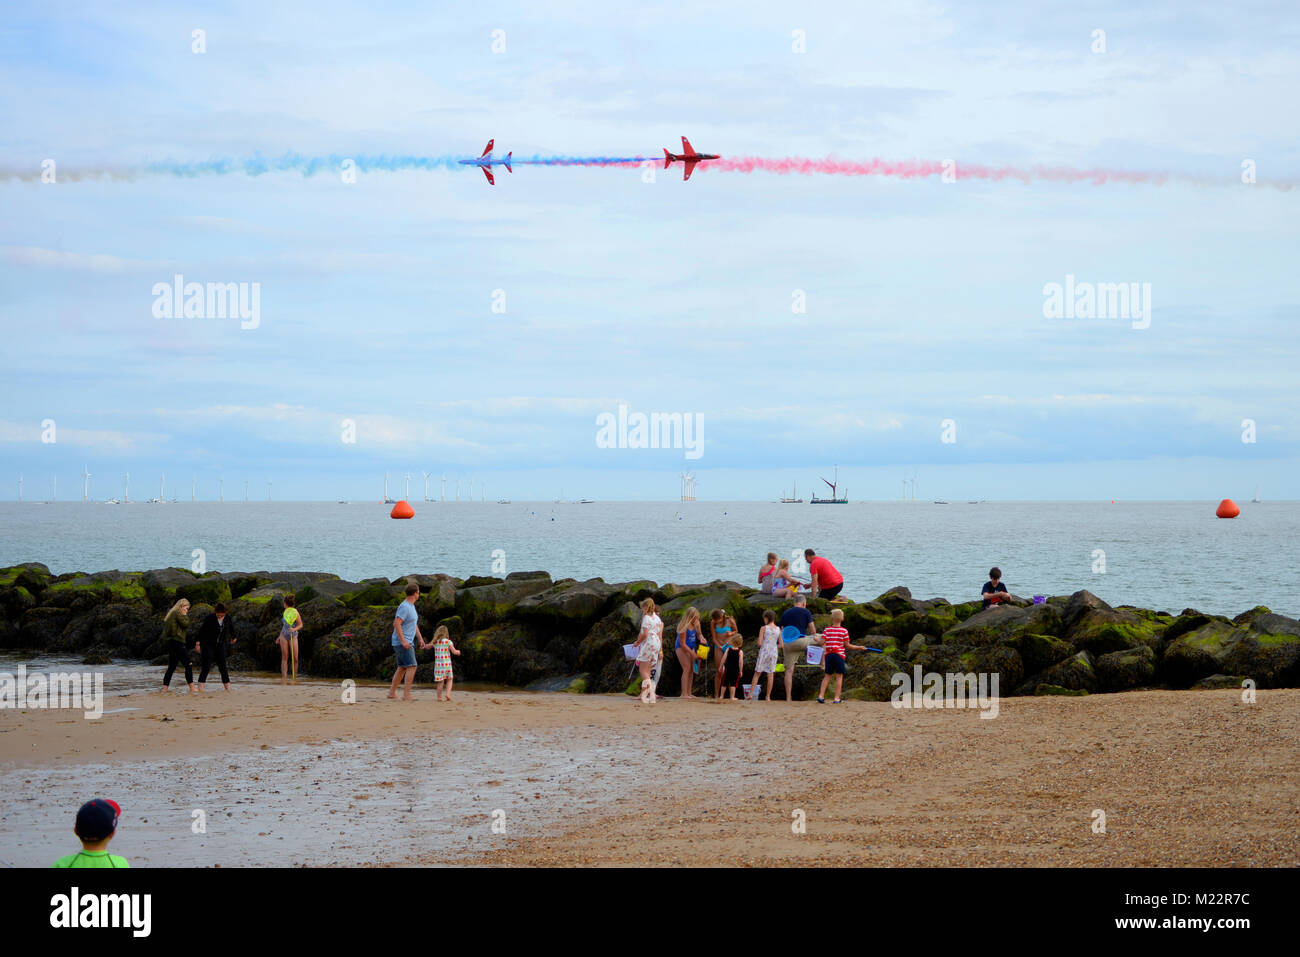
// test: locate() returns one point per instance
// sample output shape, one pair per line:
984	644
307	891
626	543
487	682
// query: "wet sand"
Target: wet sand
292	775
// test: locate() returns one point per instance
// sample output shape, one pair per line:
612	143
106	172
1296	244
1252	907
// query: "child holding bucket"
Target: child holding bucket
650	647
723	627
689	631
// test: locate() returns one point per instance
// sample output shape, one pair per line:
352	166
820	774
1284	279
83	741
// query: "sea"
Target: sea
1162	555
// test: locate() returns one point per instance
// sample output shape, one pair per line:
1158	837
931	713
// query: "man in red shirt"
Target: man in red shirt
826	581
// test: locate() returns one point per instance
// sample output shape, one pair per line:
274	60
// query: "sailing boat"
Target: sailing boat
835	498
794	498
1256	498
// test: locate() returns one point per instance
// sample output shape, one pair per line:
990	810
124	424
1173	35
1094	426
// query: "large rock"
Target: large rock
1039	652
1129	668
372	592
999	623
360	647
1200	653
869	677
160	585
84	592
507	653
600	653
33	576
1101	631
570	606
113	625
1271	657
41	627
483	605
1075	673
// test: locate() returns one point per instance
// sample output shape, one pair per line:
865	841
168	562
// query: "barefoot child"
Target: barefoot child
443	649
288	639
650	648
723	627
732	666
836	640
769	642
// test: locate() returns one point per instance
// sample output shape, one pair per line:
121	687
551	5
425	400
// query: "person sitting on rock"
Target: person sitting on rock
994	592
784	584
765	574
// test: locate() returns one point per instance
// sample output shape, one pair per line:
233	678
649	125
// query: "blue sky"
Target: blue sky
924	298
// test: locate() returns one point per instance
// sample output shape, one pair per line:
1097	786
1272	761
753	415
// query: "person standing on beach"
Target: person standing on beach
443	649
769	642
650	648
406	632
723	627
288	639
214	633
799	617
688	640
826	581
836	640
175	626
95	827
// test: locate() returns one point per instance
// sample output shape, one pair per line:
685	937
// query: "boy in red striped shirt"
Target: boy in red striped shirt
836	641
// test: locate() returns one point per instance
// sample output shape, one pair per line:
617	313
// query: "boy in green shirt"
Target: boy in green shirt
96	825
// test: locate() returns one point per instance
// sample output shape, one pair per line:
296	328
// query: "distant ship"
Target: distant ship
835	498
587	501
503	501
794	497
940	503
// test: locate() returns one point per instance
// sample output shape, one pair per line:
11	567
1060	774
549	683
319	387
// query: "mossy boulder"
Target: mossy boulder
14	600
1272	659
1200	653
1129	668
560	684
1246	617
372	592
1188	621
1102	632
160	585
507	653
477	581
32	576
1039	652
356	648
241	583
206	590
1219	683
869	676
1075	673
998	623
483	605
114	624
571	606
600	653
1042	690
864	618
83	592
41	627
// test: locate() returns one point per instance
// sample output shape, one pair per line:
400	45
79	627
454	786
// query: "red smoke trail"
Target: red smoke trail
923	169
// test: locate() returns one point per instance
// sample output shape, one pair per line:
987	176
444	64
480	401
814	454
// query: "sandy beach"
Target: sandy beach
292	775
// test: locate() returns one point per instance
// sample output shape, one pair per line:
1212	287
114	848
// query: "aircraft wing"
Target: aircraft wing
488	173
487	149
688	169
687	148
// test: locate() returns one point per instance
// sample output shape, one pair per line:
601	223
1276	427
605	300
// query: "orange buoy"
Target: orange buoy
403	510
1227	509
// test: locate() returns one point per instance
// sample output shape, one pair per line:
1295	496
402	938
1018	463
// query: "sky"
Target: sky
423	321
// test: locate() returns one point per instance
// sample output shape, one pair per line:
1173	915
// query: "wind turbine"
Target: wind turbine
85	483
162	483
221	490
386	499
458	490
193	483
407	496
55	496
245	490
126	479
20	488
268	491
443	496
426	484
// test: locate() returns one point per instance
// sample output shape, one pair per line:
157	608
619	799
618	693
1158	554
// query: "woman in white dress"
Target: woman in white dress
650	647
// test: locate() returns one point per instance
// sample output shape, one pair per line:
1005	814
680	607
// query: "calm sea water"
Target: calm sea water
1164	555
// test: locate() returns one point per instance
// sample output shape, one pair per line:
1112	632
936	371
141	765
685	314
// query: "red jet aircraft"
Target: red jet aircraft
688	157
